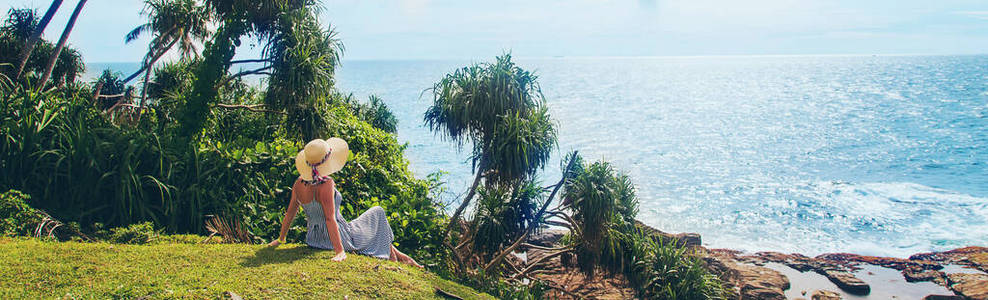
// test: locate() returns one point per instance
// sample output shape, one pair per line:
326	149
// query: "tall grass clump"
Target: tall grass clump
663	270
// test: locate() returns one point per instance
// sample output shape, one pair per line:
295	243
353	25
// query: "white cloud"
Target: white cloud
977	14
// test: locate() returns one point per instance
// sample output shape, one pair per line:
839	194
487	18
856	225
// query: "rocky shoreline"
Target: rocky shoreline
956	274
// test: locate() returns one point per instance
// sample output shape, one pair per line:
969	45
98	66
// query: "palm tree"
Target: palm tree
61	43
171	22
499	108
36	36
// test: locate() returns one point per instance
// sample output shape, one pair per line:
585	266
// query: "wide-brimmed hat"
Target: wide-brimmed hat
325	156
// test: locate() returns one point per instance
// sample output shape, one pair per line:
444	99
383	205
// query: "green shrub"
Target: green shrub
17	218
375	112
666	271
137	234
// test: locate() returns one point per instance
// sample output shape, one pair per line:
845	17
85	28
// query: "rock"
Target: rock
681	239
746	280
917	275
972	286
847	282
761	283
547	238
825	295
946	255
796	261
759	291
943	297
888	262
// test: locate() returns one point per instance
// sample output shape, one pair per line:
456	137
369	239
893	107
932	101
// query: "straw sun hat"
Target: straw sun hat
327	156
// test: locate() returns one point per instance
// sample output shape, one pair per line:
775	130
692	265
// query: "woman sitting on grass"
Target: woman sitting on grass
368	234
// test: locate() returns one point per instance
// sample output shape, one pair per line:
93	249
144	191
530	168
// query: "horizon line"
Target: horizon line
639	56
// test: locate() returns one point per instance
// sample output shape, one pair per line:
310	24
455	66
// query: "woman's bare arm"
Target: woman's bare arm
326	193
289	214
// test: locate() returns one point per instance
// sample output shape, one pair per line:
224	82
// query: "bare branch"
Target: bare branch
530	246
533	225
244	61
253	108
244	73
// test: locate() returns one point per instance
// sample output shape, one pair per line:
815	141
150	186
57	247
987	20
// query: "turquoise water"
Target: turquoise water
882	155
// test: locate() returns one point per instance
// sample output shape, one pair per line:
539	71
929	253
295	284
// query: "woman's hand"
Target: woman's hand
340	256
274	243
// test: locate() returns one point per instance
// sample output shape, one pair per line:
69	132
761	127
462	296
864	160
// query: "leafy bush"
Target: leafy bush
137	234
375	112
17	218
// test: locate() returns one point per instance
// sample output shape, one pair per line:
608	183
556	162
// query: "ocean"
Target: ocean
877	155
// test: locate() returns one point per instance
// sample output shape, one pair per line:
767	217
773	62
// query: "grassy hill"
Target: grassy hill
37	269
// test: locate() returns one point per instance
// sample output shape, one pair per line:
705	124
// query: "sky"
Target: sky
464	29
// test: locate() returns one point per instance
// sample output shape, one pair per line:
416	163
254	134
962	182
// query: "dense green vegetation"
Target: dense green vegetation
34	269
200	151
87	161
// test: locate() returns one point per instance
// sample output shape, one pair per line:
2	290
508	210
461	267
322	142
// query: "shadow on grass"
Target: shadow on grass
270	255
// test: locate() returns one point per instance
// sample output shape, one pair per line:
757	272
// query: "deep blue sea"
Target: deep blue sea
881	155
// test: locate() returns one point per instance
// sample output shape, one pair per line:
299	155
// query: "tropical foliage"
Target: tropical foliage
14	34
170	22
17	218
213	147
82	164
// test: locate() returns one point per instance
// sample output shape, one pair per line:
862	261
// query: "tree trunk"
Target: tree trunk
35	37
147	76
61	43
466	200
156	55
144	92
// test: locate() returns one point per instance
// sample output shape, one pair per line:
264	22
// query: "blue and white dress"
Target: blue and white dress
369	234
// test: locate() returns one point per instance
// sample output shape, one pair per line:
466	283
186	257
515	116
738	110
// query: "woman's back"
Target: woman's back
317	234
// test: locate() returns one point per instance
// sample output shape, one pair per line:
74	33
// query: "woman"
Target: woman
314	190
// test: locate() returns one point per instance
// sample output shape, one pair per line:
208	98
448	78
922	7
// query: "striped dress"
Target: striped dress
368	234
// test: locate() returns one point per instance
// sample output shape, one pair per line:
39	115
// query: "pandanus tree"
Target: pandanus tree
499	109
170	22
301	59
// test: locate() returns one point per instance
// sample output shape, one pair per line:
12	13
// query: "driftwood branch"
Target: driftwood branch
536	263
253	108
112	96
530	246
533	225
244	61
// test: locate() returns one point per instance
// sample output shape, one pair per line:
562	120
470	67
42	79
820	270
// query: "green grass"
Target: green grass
173	269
